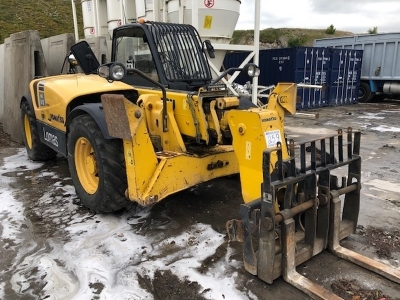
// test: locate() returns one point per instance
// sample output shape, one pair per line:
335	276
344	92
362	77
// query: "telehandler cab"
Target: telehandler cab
154	122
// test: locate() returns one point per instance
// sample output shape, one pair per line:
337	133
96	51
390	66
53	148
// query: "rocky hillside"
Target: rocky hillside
284	37
53	17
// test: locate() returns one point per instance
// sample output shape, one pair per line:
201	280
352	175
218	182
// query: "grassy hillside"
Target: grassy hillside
53	17
49	17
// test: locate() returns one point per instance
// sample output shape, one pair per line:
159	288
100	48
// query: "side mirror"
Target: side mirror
210	49
85	57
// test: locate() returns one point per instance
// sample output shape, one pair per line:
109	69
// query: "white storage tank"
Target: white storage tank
120	12
145	9
88	18
217	20
94	13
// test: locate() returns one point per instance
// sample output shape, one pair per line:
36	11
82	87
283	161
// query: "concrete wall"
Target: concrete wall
55	49
24	61
23	57
2	59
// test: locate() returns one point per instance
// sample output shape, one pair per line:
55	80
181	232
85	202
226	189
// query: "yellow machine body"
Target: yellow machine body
153	175
53	96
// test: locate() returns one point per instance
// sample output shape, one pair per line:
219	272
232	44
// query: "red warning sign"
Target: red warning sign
119	23
209	3
91	30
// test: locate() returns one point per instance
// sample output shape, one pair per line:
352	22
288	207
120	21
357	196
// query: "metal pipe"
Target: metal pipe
310	203
76	32
123	12
256	59
348	189
195	14
156	11
295	210
310	86
164	97
96	14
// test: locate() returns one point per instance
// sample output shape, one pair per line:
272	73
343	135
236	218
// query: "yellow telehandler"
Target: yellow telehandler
154	122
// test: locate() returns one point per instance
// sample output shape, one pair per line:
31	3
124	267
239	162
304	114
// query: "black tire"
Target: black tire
364	93
34	147
107	192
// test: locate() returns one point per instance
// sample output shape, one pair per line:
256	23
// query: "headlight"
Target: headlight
251	70
72	60
112	71
117	71
104	71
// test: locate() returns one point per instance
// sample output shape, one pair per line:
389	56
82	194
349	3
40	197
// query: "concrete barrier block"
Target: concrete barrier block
55	49
24	60
2	82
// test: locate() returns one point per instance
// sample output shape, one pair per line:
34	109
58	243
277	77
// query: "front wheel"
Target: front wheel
364	93
34	147
97	166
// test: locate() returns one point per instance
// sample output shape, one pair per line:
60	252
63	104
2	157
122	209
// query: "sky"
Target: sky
355	16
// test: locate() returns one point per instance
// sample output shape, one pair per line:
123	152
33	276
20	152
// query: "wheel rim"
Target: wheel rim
28	132
86	165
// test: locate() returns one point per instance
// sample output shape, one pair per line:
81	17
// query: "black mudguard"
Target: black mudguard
95	110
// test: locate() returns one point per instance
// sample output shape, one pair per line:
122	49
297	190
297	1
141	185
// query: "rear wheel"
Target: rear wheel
97	166
364	93
34	147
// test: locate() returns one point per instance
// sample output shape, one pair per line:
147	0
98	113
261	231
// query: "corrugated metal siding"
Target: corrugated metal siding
381	56
339	76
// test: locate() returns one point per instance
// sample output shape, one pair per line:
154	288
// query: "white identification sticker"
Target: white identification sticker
248	150
272	137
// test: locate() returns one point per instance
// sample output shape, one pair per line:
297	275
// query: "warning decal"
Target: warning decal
209	3
207	22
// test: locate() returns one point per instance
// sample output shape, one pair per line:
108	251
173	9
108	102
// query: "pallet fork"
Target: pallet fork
310	218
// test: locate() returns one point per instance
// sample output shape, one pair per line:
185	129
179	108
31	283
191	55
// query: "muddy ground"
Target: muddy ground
179	249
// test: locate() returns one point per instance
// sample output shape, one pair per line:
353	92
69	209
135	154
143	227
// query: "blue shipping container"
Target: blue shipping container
345	76
337	73
300	65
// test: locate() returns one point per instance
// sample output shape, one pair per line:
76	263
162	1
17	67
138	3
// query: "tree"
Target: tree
373	30
330	30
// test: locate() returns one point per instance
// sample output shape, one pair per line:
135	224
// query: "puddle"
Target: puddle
384	128
371	116
308	130
384	185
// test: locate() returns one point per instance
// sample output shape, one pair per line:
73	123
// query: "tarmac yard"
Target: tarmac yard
54	248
